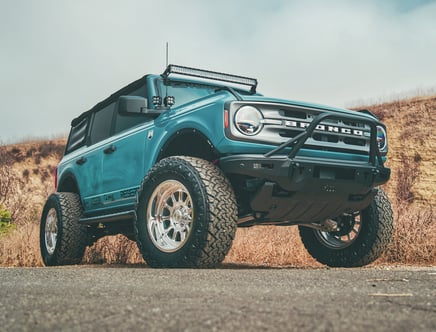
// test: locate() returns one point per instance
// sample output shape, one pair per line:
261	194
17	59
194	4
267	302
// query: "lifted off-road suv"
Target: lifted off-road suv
177	161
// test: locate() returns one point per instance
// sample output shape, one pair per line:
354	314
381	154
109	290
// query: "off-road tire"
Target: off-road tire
212	213
71	239
372	240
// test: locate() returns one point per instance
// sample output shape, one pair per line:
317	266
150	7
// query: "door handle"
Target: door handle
81	161
111	149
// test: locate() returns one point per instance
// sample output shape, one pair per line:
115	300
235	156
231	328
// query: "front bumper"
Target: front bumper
306	189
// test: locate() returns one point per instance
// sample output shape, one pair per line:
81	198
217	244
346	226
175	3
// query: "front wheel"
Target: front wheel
186	214
361	238
62	239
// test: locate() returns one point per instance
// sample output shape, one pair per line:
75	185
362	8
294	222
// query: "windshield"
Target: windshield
184	92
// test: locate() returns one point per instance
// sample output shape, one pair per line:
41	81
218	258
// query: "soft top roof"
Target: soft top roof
113	97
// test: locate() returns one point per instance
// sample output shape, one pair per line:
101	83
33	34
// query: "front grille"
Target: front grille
282	123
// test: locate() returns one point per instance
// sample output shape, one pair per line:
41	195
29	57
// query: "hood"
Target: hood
260	98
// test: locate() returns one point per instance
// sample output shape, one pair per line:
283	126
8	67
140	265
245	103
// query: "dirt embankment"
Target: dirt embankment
411	127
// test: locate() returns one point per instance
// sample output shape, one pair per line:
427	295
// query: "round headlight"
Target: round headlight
381	138
248	120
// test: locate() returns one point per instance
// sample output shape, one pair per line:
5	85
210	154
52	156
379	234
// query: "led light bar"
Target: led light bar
212	75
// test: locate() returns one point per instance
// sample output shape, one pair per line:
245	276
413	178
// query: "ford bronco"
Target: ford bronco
178	161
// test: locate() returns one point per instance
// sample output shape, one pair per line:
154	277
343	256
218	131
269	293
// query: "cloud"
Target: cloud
59	59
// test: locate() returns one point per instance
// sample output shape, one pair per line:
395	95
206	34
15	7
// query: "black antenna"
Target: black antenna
167	55
168	101
166	83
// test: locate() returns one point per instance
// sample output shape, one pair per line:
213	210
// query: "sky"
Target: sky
58	58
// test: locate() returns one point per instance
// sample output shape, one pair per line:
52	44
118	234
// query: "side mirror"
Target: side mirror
135	105
132	105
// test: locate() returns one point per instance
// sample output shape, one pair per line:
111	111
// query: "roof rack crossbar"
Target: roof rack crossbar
212	75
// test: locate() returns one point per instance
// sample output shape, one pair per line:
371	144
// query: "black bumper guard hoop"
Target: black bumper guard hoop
298	141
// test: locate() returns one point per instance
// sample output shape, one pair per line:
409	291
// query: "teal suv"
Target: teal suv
178	161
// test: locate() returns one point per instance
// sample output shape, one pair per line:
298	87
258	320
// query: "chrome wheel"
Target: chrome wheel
51	231
349	226
169	216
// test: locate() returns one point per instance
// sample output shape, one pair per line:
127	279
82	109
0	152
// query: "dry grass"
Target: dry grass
414	240
21	247
269	246
113	250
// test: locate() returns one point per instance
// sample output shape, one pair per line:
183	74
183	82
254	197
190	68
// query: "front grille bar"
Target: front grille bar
298	141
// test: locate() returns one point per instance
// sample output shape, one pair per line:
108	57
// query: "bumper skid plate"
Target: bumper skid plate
307	189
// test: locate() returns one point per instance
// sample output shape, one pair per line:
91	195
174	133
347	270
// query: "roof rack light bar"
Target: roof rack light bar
212	75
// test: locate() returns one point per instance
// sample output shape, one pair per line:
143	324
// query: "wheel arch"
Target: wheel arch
68	183
188	142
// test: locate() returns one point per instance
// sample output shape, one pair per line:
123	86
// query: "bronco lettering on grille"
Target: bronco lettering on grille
327	128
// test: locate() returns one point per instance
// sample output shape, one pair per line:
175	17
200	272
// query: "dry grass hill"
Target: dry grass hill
412	143
26	179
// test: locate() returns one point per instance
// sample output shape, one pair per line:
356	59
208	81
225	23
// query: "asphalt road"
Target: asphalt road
88	298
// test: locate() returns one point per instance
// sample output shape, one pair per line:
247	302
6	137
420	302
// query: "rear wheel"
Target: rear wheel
360	239
186	214
62	239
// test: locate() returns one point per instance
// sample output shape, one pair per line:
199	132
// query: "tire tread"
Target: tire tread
220	212
72	236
